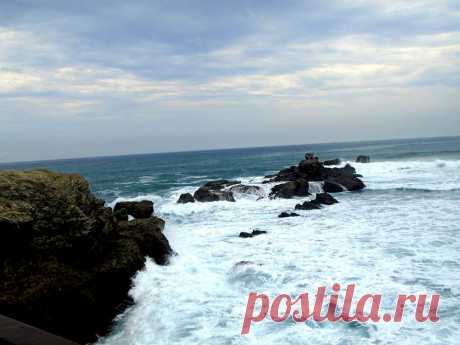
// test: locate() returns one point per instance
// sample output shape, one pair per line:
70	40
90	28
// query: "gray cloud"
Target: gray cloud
105	77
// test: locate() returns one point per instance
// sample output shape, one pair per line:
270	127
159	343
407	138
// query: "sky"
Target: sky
90	78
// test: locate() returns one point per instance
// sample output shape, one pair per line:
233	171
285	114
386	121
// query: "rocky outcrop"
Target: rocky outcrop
66	261
290	189
137	209
314	170
185	198
251	234
215	191
363	159
288	214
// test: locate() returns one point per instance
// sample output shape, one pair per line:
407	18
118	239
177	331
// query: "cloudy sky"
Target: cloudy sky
87	78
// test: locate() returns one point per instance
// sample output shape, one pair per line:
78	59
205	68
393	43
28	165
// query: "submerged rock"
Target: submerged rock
288	214
308	205
185	198
251	234
66	262
137	209
363	159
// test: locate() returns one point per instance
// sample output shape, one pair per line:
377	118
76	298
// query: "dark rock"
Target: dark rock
324	199
204	194
310	156
220	184
332	187
310	169
121	215
214	191
308	205
66	264
185	198
252	234
351	183
243	189
288	214
137	209
290	189
363	159
332	162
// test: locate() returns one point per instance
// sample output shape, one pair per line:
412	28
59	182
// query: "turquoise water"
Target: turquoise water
399	235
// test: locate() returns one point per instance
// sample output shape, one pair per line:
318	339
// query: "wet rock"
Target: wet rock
66	262
351	183
137	209
308	205
185	198
288	214
324	199
252	234
332	162
205	194
220	184
244	189
332	187
363	159
290	189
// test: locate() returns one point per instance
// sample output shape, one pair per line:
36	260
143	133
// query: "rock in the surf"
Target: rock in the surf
363	159
332	162
288	214
185	198
290	189
324	199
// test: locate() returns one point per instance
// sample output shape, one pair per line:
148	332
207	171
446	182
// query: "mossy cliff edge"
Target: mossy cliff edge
66	261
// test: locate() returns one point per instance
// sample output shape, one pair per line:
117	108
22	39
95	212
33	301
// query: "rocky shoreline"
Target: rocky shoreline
67	260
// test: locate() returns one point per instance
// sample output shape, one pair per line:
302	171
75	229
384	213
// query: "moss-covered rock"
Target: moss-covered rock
66	263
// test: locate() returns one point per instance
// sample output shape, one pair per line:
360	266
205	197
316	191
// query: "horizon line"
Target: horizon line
215	149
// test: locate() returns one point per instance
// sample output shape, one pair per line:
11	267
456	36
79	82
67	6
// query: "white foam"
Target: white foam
384	242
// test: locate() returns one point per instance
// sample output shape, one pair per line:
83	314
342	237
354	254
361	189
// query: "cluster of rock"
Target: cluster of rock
219	190
66	260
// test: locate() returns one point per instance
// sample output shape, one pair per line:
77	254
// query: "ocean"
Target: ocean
400	235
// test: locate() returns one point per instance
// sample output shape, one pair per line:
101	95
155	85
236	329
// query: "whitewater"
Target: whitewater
398	236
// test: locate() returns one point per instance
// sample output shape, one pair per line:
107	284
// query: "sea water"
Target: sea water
398	236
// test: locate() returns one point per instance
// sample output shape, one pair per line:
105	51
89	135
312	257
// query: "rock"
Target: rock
66	263
290	189
351	183
204	194
220	184
332	162
214	191
310	169
308	205
137	209
185	198
252	234
332	187
243	189
288	214
310	156
324	199
363	159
